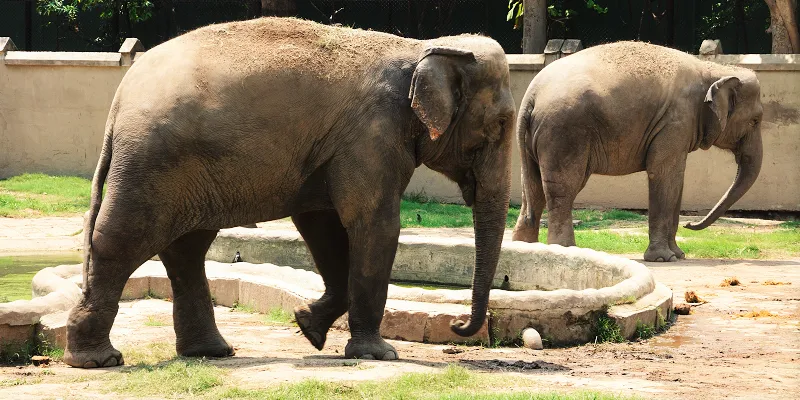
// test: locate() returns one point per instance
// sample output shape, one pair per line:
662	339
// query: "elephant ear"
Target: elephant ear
437	87
721	97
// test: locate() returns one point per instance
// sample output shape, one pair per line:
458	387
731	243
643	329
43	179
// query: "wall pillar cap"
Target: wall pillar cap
128	50
711	47
6	44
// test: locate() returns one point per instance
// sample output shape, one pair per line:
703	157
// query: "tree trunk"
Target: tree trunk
783	26
534	26
278	8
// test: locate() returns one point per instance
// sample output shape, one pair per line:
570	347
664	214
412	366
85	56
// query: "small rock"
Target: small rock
692	297
40	360
683	309
452	350
531	339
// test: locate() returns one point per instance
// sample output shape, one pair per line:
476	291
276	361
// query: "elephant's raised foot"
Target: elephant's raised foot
305	320
107	357
660	254
217	347
374	349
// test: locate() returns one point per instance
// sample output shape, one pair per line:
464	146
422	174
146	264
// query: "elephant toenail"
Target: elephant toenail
110	362
90	364
367	357
390	355
673	258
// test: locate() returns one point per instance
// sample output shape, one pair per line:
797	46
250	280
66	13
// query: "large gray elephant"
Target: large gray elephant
253	121
625	107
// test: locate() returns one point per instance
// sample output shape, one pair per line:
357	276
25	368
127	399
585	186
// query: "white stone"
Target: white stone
531	339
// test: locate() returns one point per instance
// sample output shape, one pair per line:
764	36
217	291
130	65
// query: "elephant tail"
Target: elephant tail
97	198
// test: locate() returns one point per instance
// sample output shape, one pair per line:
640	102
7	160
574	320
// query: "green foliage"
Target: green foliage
723	14
245	308
21	353
279	316
65	14
627	299
790	225
556	11
644	331
607	330
516	10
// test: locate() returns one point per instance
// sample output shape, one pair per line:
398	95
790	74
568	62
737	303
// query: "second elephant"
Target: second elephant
626	107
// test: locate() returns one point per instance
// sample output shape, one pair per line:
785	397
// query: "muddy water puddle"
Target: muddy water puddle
16	272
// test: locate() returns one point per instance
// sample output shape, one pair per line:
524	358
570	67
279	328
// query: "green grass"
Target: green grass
454	383
41	195
607	330
177	377
644	331
275	316
156	371
279	316
38	194
427	285
153	321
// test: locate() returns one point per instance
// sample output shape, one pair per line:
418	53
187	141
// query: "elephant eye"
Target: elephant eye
755	121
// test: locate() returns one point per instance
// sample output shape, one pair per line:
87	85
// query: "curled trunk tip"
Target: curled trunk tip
465	329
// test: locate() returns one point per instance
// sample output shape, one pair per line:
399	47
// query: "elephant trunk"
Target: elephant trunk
748	157
489	214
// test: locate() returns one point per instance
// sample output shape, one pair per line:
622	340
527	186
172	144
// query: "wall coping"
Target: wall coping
53	58
131	48
126	55
756	62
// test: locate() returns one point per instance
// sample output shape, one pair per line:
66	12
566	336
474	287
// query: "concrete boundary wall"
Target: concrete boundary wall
53	108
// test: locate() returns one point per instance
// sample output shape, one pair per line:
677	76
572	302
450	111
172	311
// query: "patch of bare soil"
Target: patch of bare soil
716	352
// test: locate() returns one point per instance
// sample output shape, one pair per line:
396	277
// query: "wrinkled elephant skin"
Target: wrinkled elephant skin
626	107
251	121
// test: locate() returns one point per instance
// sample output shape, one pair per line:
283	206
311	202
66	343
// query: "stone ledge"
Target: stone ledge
645	310
758	62
525	62
56	58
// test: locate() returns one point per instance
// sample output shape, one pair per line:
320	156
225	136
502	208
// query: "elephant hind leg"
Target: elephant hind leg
561	187
193	312
328	243
115	254
533	203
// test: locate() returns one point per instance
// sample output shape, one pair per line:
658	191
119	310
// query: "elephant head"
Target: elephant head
732	121
461	94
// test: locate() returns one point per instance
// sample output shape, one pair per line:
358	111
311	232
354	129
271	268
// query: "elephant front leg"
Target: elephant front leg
373	244
666	187
327	241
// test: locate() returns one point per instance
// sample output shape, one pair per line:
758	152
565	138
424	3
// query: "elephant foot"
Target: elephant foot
313	329
106	356
659	254
677	251
215	346
374	348
525	234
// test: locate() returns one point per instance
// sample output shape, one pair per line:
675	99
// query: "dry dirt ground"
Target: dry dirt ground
719	351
